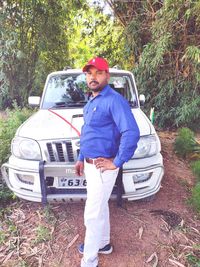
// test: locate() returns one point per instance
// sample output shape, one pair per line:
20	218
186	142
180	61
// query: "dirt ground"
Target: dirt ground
162	232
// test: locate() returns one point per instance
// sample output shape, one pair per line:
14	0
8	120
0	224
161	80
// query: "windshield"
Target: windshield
67	90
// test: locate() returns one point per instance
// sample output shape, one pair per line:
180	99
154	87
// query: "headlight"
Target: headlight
147	146
25	148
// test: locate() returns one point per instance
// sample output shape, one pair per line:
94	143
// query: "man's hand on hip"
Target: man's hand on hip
79	167
105	164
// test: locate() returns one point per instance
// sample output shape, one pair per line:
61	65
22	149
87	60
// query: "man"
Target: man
108	139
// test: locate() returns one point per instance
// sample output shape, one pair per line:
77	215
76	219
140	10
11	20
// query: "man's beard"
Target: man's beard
97	89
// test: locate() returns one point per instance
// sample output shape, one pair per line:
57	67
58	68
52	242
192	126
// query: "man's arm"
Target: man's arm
128	145
130	135
128	129
105	164
79	166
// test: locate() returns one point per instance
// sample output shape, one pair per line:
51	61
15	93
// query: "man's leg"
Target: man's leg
96	216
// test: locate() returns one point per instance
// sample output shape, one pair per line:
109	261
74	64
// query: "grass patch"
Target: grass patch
185	143
6	195
42	234
49	215
193	260
9	230
195	198
186	146
12	228
196	169
22	263
2	237
8	126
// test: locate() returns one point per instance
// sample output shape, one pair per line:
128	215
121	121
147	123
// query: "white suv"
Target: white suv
46	146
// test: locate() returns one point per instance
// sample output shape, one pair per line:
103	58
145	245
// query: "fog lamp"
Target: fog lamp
26	179
142	177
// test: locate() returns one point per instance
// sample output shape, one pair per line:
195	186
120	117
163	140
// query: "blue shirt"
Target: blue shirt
109	129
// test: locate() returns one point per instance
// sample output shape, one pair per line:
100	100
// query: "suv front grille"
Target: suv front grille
60	151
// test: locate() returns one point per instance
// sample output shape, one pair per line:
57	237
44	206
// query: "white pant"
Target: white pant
96	215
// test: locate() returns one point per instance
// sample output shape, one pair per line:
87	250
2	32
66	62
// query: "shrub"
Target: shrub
195	198
5	194
8	127
43	234
193	260
185	143
196	169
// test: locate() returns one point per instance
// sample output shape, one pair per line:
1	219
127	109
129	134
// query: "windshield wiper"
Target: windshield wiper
63	104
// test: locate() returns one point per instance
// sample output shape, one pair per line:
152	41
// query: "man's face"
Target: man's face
96	79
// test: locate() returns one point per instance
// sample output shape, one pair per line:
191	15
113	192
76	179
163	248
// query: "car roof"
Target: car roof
77	71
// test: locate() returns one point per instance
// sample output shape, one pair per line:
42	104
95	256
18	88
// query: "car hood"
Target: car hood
67	123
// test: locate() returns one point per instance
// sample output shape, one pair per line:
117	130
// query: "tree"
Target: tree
40	36
33	43
164	38
94	33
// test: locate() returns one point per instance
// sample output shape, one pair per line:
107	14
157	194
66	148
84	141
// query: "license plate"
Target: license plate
76	182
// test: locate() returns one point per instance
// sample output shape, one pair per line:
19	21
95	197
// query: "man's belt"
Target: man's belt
91	161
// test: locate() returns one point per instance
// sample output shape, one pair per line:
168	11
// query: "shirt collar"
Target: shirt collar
103	92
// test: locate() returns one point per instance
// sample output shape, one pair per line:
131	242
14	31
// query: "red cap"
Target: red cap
98	62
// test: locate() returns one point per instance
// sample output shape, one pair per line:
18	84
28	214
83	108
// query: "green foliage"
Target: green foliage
42	234
196	169
49	215
2	237
8	126
5	194
193	260
9	231
41	36
34	41
162	37
195	198
12	228
94	33
22	263
185	143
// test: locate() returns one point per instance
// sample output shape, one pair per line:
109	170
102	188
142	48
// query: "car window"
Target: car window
123	85
65	90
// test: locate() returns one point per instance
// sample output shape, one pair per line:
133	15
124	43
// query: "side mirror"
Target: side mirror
142	100
34	101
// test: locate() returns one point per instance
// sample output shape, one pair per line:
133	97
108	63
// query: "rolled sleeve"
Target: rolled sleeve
80	156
